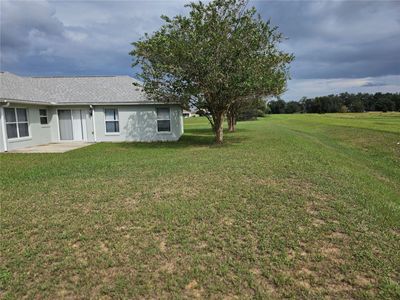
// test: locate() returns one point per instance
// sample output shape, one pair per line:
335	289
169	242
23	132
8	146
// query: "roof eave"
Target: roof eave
18	101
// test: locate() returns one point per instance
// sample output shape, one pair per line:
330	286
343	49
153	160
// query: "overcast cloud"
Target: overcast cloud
339	46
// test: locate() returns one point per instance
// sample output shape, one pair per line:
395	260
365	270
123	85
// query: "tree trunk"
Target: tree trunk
219	128
231	122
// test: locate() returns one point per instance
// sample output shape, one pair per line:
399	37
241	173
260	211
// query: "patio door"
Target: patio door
77	125
65	123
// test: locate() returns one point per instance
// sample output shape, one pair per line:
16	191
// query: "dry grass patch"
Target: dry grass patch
193	290
168	267
338	235
318	222
331	252
364	281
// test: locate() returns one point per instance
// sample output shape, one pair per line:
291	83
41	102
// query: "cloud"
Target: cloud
298	88
337	44
371	84
41	38
16	27
338	39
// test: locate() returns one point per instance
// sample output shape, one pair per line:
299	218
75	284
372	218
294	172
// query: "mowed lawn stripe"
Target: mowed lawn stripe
378	172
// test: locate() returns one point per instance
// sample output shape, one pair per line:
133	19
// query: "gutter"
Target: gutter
17	101
3	125
5	103
110	103
85	103
94	123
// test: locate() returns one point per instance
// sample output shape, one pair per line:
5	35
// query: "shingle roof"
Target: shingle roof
71	90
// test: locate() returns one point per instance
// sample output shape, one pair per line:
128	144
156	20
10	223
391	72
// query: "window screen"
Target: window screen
163	119
16	122
43	116
112	121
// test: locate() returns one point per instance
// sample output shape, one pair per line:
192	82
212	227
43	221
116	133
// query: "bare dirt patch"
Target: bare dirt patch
230	297
193	289
338	235
76	245
363	281
312	209
227	221
63	293
168	267
318	222
103	247
396	232
304	284
305	271
330	250
291	254
202	245
163	246
338	287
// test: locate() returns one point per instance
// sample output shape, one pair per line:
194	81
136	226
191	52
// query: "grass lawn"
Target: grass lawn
304	206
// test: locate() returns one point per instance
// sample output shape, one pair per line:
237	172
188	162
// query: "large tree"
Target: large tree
219	54
243	108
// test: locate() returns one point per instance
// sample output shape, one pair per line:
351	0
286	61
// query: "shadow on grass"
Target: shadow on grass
198	137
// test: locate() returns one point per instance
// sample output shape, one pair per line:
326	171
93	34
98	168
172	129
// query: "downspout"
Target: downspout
94	123
3	125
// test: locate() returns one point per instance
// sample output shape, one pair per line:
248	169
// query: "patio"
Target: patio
52	147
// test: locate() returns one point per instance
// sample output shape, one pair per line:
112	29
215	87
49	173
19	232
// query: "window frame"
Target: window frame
115	120
43	116
160	119
17	122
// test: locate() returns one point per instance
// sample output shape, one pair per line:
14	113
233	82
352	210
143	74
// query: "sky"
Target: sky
340	46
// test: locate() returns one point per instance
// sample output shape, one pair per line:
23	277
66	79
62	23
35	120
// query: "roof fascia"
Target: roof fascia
17	101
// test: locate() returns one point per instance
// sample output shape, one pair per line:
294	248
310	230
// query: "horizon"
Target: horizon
340	46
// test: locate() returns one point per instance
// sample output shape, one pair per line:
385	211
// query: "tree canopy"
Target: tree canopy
343	102
220	54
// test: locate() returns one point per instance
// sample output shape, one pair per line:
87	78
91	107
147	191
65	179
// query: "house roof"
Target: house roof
71	90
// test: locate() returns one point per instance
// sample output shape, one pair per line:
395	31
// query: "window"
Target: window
163	120
112	121
16	122
43	116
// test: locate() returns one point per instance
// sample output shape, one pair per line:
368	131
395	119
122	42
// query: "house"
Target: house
186	113
41	110
189	114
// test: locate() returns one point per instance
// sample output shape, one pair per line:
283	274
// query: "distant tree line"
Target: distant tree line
344	102
249	110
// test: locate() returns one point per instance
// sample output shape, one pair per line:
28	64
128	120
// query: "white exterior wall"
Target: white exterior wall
38	133
138	124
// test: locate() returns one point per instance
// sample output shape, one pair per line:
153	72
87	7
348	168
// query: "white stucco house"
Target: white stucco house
41	110
186	113
189	114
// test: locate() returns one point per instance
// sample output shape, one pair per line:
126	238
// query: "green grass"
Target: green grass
303	206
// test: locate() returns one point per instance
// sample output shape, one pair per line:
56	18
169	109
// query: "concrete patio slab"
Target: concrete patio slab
52	147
